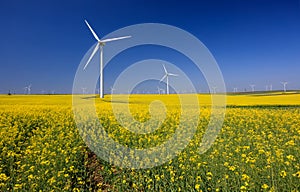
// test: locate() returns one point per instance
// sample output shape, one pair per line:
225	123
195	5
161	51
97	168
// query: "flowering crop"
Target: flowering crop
256	150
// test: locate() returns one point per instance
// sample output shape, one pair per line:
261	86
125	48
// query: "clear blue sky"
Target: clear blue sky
254	41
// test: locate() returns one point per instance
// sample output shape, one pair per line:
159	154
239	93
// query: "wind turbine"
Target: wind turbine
166	76
284	85
112	90
160	91
100	45
27	89
235	90
83	90
252	87
214	89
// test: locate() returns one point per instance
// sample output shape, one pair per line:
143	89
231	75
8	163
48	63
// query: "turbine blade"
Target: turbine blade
163	77
165	69
92	55
114	39
94	34
171	74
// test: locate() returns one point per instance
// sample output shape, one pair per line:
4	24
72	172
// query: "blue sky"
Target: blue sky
254	41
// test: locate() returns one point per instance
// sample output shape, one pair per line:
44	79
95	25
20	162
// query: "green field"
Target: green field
256	150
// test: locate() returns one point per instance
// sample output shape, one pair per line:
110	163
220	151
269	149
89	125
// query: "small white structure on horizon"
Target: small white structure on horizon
166	76
284	85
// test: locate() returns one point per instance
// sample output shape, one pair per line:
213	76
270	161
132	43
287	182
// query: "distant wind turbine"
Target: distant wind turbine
284	85
252	87
235	90
100	45
112	90
160	91
214	89
83	90
27	89
166	76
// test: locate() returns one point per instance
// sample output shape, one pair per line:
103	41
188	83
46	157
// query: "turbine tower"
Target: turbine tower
166	76
25	90
284	85
100	46
29	89
252	88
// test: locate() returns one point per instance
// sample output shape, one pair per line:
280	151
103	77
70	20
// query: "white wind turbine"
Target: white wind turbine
284	85
27	89
160	91
214	89
252	88
112	90
100	45
166	76
83	90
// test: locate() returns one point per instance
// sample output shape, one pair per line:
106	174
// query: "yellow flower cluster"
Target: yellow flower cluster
39	145
256	150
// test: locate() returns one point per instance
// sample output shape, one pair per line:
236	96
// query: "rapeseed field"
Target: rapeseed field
257	148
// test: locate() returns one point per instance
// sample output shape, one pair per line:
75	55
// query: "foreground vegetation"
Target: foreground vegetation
256	150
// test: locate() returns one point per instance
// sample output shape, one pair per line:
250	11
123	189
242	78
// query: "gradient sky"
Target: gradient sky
254	41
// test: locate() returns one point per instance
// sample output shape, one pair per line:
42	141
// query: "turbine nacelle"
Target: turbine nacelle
101	43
